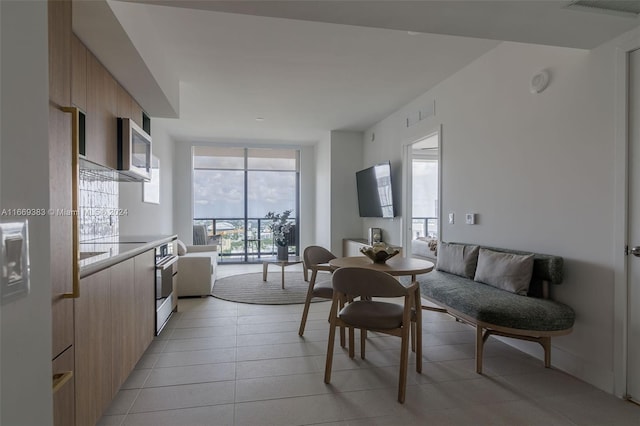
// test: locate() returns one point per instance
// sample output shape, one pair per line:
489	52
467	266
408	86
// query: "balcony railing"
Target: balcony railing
424	227
244	240
252	242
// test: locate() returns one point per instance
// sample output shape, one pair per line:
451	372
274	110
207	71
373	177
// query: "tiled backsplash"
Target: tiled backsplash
97	205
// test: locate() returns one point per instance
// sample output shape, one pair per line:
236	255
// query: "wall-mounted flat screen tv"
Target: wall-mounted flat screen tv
375	197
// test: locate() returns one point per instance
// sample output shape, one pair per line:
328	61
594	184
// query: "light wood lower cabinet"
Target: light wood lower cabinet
93	347
123	298
145	315
63	398
114	325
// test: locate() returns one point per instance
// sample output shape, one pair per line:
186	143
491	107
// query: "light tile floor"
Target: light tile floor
223	363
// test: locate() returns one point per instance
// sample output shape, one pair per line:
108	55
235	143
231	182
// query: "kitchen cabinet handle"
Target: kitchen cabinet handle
59	379
166	263
75	178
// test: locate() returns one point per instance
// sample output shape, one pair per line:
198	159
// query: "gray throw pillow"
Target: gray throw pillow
182	249
507	271
458	259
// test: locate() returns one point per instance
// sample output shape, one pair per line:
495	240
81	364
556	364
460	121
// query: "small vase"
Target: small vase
283	253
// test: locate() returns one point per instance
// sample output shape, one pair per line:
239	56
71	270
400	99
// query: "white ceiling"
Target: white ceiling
306	78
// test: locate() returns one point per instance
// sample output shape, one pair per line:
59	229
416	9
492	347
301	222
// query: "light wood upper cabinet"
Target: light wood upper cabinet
104	100
96	112
128	107
111	119
101	114
125	103
78	73
60	52
136	112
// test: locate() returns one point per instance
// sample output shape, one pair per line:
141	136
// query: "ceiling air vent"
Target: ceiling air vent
622	8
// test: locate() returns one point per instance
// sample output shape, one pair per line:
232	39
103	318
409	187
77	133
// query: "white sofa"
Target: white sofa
197	270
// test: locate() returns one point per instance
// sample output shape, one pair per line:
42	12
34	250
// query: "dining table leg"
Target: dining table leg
282	270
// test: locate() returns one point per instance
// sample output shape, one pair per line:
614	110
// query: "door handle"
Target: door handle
635	251
75	177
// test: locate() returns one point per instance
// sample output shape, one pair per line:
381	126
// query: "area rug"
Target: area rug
249	288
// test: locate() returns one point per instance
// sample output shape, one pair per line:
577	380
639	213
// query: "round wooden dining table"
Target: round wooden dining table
396	266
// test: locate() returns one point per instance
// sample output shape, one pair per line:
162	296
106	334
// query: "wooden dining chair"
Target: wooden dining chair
317	259
374	315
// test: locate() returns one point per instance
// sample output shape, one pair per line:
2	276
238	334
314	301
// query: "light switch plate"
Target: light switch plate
451	218
14	259
470	218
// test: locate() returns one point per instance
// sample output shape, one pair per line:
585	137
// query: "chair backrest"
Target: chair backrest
199	235
368	282
314	255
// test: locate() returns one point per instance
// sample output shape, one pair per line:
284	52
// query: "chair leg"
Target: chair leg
343	338
404	358
418	336
307	303
351	342
413	337
330	345
546	344
363	339
342	332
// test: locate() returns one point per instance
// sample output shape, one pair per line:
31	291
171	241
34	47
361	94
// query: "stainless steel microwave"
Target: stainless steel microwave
134	150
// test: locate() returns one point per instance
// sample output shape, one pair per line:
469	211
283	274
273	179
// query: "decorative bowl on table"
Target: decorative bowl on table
379	253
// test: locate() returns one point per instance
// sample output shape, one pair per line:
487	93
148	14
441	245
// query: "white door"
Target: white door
633	336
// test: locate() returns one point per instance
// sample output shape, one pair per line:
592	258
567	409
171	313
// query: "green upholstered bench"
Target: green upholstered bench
492	310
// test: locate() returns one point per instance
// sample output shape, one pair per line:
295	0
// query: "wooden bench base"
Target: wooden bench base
484	330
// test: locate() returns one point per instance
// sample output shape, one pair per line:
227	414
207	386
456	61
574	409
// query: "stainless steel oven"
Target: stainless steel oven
166	269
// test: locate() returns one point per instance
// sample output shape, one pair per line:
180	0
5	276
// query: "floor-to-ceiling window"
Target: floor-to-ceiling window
234	189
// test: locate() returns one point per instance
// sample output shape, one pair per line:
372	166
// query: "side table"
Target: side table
293	260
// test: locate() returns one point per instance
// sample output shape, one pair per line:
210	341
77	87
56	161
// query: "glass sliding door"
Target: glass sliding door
234	189
272	186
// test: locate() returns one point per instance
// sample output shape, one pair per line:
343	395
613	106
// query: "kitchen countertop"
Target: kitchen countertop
116	249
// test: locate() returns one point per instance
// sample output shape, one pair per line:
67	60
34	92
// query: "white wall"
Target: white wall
307	212
346	160
25	324
146	218
538	171
182	192
323	191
